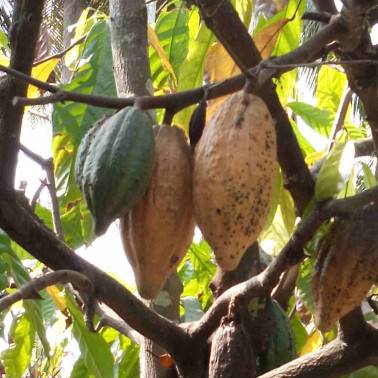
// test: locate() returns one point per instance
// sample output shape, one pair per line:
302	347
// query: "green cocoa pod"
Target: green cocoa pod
114	164
281	346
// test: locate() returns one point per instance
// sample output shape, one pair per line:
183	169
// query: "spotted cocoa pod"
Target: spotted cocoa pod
158	230
234	169
346	267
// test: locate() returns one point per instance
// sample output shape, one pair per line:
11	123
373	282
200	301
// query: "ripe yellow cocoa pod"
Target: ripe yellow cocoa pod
234	169
157	232
346	267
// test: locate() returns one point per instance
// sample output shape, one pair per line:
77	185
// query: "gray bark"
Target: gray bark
129	44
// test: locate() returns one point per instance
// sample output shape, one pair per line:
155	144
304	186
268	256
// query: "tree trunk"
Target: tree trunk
166	304
132	76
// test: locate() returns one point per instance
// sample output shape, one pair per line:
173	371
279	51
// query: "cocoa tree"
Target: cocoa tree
301	301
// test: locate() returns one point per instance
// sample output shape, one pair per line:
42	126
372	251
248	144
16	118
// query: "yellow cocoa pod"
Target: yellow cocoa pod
234	169
157	232
346	267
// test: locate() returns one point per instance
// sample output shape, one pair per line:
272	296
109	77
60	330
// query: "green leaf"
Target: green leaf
192	70
304	143
72	120
335	171
95	351
3	40
276	195
288	40
173	32
330	88
244	9
17	358
367	372
369	178
79	370
288	210
318	119
304	284
129	363
196	271
299	331
21	276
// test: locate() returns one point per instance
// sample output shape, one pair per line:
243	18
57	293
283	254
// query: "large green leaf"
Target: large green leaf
367	372
96	353
21	276
288	40
80	370
192	70
304	286
330	87
129	362
70	123
173	32
17	358
369	178
335	171
318	119
196	271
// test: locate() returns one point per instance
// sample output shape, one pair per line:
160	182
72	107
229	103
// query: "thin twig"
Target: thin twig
118	324
37	194
28	290
340	116
48	166
318	64
60	54
181	100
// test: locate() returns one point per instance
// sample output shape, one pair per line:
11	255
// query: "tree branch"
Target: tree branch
118	324
290	255
334	359
27	17
28	290
23	227
48	166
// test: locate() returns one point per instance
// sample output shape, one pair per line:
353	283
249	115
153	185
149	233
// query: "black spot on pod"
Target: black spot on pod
197	122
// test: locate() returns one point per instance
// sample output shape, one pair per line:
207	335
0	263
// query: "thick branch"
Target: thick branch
118	324
48	166
290	255
25	28
23	227
333	360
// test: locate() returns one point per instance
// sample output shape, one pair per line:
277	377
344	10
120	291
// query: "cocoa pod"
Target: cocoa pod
231	354
197	122
114	164
346	267
234	169
158	230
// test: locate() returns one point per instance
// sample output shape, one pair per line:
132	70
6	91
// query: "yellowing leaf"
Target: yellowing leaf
56	297
314	341
153	39
266	38
41	72
313	157
220	66
4	61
